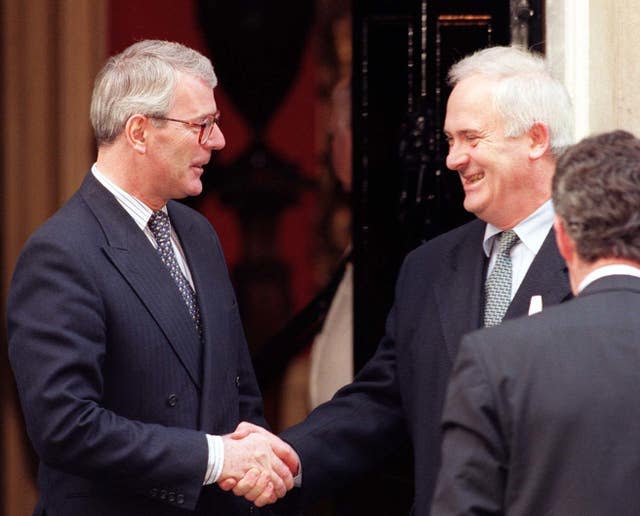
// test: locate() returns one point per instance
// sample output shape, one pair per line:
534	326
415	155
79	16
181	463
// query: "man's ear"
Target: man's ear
566	245
540	140
135	131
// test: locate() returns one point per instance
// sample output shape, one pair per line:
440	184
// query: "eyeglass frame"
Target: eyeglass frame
211	121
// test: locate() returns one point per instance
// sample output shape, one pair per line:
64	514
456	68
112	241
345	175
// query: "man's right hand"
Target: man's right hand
257	465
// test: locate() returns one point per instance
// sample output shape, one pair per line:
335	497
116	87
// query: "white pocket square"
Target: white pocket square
535	305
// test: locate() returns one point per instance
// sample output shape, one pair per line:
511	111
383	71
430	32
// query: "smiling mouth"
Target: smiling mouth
473	178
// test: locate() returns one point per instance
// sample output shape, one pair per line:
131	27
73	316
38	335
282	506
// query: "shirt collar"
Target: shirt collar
608	270
532	231
139	211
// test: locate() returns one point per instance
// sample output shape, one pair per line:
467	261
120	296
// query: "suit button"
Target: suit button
237	381
163	494
153	492
172	400
172	497
180	499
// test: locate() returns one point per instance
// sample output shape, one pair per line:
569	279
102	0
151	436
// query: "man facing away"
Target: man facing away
542	413
507	120
124	333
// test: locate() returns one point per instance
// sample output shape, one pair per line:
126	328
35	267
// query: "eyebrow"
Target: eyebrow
215	115
463	132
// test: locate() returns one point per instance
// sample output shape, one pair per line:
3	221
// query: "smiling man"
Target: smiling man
507	120
124	333
505	177
542	415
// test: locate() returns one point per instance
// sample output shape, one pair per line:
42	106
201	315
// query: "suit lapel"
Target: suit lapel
547	277
135	258
459	288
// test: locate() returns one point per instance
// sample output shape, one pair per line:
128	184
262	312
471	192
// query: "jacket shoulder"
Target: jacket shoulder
439	247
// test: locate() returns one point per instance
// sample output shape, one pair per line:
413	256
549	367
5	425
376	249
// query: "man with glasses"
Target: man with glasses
124	333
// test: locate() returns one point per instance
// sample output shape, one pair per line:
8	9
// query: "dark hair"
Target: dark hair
596	192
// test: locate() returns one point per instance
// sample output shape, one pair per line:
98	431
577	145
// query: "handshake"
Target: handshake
257	464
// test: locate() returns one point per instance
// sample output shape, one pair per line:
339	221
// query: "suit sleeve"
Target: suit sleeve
58	345
356	430
474	456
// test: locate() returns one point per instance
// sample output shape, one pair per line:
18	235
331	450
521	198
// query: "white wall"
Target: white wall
594	47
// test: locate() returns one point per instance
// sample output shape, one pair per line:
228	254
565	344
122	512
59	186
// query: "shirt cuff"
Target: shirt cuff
216	459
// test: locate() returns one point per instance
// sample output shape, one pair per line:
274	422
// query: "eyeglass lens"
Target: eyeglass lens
206	131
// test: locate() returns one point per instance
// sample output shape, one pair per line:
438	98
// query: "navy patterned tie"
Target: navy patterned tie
497	288
161	229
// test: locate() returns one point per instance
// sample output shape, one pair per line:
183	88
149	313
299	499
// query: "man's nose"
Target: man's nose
216	140
457	157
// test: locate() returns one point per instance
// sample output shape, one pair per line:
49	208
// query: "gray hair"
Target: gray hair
142	79
596	193
526	92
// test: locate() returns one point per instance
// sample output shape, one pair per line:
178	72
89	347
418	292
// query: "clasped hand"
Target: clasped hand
257	464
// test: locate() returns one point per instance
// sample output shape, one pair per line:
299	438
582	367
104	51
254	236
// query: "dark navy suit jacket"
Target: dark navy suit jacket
116	388
542	413
400	392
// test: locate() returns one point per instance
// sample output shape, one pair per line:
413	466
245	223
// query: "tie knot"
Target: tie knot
507	240
159	224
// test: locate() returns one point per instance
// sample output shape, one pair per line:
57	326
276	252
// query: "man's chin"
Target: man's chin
194	190
469	206
475	208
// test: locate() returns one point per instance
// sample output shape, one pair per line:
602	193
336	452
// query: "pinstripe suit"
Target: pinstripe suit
116	387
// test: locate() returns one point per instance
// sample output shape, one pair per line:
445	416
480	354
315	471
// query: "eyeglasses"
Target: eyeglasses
206	128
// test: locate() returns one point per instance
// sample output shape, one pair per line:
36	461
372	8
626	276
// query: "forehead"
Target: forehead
470	105
194	95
